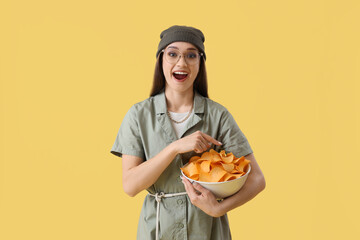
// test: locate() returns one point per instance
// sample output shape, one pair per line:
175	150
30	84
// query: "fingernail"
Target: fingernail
220	142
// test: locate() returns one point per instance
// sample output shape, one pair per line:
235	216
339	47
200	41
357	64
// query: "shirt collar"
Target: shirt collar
161	107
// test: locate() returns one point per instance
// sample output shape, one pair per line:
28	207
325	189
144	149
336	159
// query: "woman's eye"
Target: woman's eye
172	54
191	55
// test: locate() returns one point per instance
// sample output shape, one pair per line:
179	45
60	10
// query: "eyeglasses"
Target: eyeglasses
172	56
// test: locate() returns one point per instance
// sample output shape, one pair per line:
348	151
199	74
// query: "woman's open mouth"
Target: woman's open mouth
180	76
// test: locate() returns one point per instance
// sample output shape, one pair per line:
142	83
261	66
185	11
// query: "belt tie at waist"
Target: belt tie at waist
158	197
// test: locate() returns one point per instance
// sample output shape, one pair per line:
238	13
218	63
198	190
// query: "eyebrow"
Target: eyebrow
178	48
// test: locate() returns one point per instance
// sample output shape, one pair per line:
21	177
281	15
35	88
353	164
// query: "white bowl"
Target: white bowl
223	189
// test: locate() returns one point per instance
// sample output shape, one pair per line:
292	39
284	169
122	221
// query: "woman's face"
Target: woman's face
173	80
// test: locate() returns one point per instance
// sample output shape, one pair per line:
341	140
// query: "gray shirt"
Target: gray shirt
144	132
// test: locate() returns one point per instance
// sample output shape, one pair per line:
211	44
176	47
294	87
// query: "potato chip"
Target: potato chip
228	166
216	174
196	177
243	164
228	159
213	152
236	171
216	158
194	158
205	166
193	169
228	177
207	156
215	167
204	177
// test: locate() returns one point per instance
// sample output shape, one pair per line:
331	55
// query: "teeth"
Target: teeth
181	73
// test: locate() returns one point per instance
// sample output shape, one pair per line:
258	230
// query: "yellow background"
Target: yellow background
288	71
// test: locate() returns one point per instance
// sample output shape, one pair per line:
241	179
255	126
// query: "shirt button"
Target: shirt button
179	201
181	225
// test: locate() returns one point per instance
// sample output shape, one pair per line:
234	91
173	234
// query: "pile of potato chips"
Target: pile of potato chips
215	167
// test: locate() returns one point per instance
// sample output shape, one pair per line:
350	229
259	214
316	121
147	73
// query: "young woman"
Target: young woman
160	134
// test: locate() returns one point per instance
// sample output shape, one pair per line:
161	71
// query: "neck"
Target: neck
179	101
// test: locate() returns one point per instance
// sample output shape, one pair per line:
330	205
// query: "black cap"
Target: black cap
178	33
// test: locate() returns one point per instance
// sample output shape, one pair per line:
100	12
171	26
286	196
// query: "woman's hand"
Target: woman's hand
198	142
202	198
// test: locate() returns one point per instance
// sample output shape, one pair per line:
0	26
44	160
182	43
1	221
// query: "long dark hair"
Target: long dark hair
200	83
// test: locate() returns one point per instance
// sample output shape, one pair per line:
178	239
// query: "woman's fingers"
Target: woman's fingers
203	144
199	142
200	188
211	139
197	150
189	189
200	197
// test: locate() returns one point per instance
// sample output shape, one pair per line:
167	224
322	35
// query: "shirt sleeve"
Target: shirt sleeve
128	140
232	137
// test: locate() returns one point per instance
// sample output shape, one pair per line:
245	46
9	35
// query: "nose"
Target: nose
182	61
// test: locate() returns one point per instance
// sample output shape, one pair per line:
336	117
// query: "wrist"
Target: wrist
218	211
173	148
